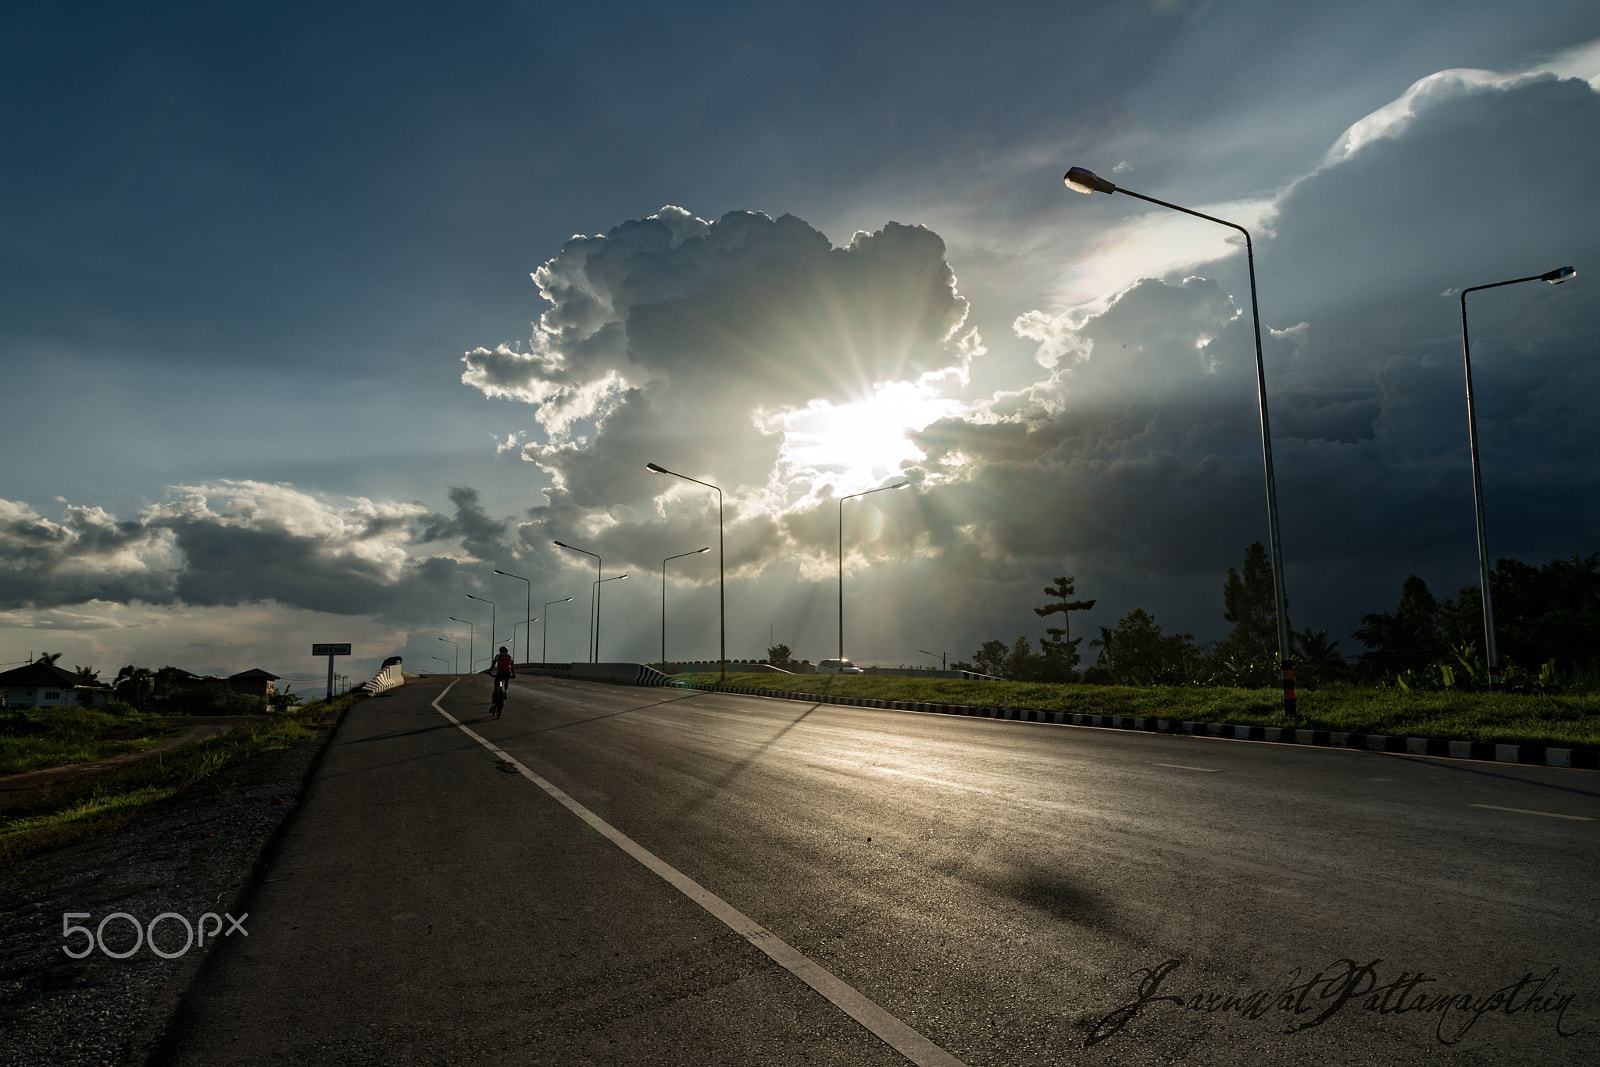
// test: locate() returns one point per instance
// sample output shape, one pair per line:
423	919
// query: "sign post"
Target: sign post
330	651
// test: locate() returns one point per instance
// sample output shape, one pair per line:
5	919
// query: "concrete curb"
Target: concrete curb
1529	755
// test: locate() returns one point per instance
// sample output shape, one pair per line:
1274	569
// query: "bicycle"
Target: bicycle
498	701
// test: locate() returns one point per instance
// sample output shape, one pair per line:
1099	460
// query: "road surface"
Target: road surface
612	875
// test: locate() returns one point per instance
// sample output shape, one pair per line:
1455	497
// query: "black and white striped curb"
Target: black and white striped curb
1535	755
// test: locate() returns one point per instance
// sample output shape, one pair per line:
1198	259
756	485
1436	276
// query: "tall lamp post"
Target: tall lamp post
492	636
441	659
597	585
1554	277
852	496
471	640
447	641
722	601
527	635
680	555
943	656
593	594
544	645
529	625
1087	181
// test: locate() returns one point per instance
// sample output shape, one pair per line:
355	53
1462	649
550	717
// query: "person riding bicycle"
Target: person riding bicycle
504	670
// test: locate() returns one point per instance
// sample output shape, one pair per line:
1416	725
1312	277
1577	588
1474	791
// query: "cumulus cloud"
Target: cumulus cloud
668	339
242	542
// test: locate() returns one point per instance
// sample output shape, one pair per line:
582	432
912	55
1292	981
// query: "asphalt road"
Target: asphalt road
979	891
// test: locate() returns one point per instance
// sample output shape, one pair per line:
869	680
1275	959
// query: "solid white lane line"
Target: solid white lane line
1527	811
1181	767
894	1033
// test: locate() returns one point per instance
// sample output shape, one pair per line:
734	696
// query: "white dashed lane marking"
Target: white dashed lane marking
1529	811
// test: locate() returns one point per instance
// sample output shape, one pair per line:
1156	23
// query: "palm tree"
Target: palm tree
86	675
48	658
134	685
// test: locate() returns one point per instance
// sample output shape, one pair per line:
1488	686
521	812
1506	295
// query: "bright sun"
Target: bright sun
862	443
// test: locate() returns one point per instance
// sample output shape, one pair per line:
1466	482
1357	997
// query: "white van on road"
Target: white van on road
836	666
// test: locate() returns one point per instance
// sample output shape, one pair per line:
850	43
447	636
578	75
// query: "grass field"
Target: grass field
35	738
1567	719
99	804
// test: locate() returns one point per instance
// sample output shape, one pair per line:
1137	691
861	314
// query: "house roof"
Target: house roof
254	673
36	675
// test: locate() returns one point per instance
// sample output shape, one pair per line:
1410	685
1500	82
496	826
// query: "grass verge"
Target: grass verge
37	738
1568	720
75	811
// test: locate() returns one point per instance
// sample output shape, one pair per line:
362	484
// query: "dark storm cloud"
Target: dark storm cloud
1141	451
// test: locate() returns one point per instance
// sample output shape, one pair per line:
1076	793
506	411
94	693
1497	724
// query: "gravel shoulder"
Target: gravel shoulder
194	855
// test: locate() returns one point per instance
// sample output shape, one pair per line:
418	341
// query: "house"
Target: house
44	685
254	682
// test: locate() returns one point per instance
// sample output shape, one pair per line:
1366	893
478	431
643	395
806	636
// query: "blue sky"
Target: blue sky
278	372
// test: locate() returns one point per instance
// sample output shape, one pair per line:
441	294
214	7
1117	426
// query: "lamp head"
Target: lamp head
558	544
1082	180
1557	276
705	549
900	485
656	469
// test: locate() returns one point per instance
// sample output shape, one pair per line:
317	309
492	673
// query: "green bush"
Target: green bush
212	698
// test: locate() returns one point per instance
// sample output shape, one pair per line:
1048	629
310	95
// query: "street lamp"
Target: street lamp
529	625
441	659
881	488
680	555
471	642
527	635
1087	181
597	585
544	645
722	601
492	636
942	656
1554	277
593	594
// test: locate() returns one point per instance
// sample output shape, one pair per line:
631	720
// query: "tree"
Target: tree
991	658
1250	602
1138	653
134	685
1547	613
1317	659
1060	649
1407	638
48	658
86	675
1022	664
780	656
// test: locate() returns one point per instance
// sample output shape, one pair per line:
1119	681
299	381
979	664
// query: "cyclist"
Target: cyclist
504	671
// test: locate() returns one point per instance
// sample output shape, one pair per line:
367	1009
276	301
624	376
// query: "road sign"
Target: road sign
330	651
